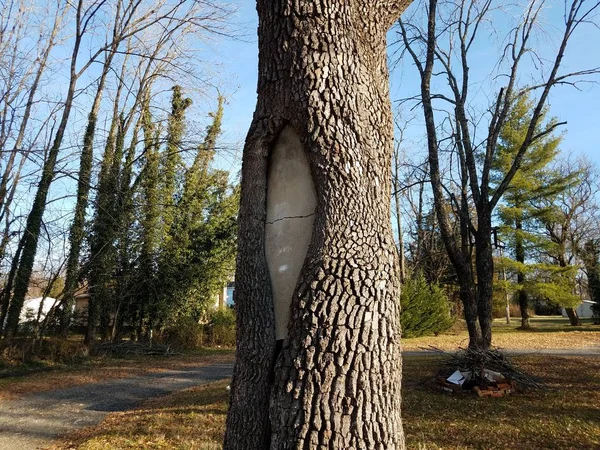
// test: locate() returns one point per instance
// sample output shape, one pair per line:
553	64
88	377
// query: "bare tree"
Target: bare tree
569	219
148	21
442	48
23	68
397	195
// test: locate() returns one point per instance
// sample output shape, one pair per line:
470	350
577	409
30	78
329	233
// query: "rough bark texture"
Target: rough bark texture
484	263
573	317
336	381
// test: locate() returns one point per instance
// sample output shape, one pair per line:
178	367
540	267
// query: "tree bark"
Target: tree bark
573	317
336	381
520	258
484	261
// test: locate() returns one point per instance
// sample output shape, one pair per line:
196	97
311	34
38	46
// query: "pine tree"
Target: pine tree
425	308
535	180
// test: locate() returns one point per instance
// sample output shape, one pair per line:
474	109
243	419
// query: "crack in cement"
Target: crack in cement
289	217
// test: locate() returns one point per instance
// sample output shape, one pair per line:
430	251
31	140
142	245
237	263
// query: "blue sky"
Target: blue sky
579	108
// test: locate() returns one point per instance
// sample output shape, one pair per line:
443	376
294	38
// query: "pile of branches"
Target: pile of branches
131	348
476	361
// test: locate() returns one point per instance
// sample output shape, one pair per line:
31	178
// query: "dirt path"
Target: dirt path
33	421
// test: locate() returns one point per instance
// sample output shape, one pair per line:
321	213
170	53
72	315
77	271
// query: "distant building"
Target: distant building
225	297
583	310
32	306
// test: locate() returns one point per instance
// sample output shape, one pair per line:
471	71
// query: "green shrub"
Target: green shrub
425	308
222	327
187	334
184	334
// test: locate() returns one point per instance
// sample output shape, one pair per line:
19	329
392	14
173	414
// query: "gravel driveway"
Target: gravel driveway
33	421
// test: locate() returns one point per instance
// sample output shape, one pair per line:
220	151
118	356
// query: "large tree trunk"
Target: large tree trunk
574	319
484	261
523	305
520	258
334	381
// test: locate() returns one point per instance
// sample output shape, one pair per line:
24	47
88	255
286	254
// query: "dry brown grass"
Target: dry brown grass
193	419
566	416
546	333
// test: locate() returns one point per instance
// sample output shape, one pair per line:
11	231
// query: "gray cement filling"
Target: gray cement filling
291	203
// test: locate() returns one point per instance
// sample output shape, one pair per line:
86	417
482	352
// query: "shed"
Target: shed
583	310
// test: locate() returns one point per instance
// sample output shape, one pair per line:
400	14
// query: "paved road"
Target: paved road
34	421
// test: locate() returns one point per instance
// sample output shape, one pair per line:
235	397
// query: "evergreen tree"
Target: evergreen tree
425	308
535	180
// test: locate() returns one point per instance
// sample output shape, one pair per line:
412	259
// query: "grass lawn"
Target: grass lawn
547	332
566	416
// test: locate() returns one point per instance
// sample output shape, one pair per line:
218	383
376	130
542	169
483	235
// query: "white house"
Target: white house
32	306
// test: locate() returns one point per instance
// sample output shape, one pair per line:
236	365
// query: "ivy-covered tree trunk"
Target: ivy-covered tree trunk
150	227
102	250
172	163
77	231
333	380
